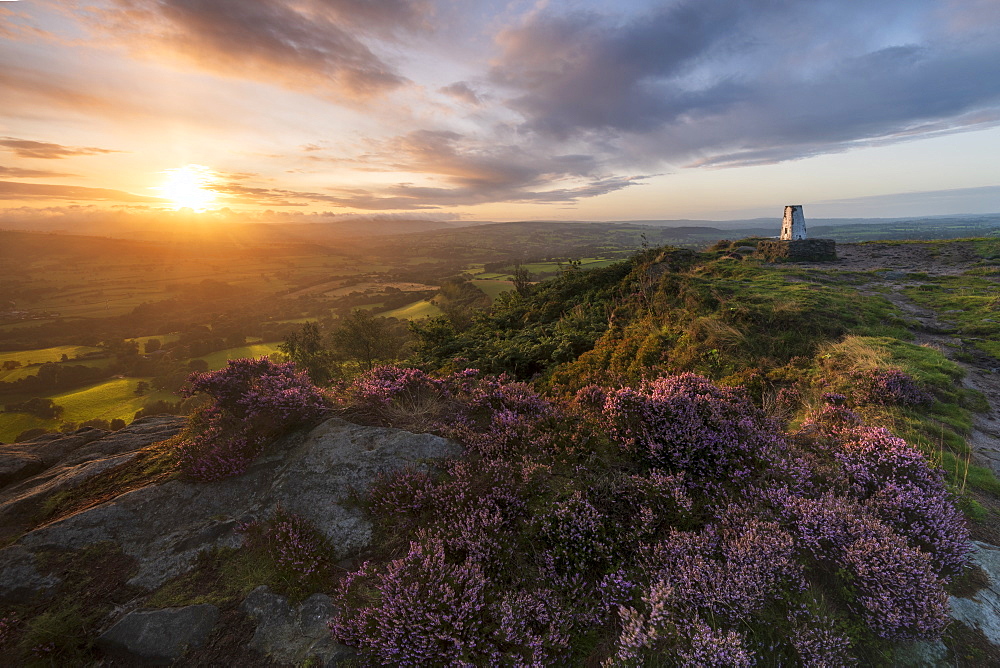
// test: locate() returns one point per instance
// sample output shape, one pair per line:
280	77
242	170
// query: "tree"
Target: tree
367	340
141	388
152	345
307	350
522	279
41	407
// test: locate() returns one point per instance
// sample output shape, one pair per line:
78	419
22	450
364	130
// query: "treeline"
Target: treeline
54	376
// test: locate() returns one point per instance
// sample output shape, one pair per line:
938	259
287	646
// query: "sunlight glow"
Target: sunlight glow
189	187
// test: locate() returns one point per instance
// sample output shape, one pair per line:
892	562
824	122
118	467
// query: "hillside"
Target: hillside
686	458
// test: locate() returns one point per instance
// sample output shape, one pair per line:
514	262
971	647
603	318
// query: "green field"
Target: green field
42	355
414	311
218	359
164	338
107	400
25	371
493	287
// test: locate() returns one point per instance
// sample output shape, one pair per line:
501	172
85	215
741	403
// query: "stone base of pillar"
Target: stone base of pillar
800	250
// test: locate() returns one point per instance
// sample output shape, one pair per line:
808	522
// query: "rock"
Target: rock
160	637
16	465
294	634
921	654
165	526
19	577
338	458
22	505
982	609
797	250
39	468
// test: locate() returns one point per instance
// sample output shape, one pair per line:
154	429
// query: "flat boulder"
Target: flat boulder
294	634
160	637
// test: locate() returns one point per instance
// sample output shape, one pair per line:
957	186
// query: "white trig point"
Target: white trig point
793	225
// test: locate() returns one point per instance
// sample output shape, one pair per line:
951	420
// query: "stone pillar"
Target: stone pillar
793	225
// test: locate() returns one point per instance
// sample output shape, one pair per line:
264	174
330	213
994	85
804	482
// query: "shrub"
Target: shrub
887	387
895	587
254	400
901	488
492	415
294	545
8	626
685	423
414	611
717	540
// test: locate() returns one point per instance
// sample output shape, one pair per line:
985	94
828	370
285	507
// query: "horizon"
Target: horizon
676	110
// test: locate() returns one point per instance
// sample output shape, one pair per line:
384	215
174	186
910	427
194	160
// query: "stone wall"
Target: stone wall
801	250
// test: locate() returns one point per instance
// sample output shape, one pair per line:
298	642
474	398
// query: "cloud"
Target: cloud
26	148
730	83
318	46
15	190
474	170
19	173
462	92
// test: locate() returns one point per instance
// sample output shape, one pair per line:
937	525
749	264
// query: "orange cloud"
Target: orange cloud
15	190
26	148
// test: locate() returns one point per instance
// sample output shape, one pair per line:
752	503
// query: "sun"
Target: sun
188	187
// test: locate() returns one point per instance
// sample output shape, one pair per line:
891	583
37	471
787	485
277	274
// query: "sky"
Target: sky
462	110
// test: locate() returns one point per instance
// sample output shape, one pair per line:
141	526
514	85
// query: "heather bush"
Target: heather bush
887	387
669	523
898	486
491	415
728	571
685	423
816	642
895	588
573	533
253	401
291	542
415	611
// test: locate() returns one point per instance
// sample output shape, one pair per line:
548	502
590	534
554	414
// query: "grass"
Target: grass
25	371
970	303
110	399
414	311
42	355
939	429
493	287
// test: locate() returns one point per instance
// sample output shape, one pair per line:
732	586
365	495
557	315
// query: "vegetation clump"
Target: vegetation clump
253	401
673	521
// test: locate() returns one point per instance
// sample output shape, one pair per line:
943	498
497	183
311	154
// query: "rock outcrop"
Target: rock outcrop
164	527
33	471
